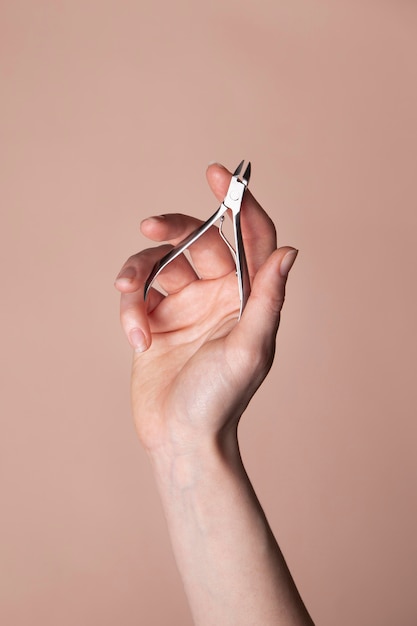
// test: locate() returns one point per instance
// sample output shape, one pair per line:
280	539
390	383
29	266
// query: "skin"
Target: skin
194	372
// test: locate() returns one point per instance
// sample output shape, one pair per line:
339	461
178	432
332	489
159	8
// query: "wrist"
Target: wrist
185	465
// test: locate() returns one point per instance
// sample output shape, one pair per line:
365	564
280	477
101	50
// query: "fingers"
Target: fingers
258	230
209	254
131	280
256	331
211	259
177	275
133	316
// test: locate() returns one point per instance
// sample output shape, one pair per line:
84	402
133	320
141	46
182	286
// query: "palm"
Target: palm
192	348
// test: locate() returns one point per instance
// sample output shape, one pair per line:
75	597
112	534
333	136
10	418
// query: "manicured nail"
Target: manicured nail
127	273
138	340
287	263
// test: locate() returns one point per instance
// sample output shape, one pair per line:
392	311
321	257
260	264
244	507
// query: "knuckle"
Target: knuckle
257	361
274	305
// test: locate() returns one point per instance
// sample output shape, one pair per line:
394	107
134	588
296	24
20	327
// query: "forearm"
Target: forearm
231	565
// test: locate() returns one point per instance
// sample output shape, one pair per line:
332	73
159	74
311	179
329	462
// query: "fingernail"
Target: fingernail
154	218
127	273
138	340
287	263
215	163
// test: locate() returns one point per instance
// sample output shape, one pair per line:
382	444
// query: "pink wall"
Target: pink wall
110	111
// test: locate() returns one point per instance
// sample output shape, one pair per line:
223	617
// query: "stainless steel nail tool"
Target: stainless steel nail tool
233	202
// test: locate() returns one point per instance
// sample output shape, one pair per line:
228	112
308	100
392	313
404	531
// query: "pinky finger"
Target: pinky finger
134	319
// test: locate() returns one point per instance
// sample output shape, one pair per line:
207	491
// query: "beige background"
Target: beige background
110	111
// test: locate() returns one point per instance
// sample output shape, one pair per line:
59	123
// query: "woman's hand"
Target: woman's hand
195	367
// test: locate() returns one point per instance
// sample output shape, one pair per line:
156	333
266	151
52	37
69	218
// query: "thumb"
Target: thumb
260	320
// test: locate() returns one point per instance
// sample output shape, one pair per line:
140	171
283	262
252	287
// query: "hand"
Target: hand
195	367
